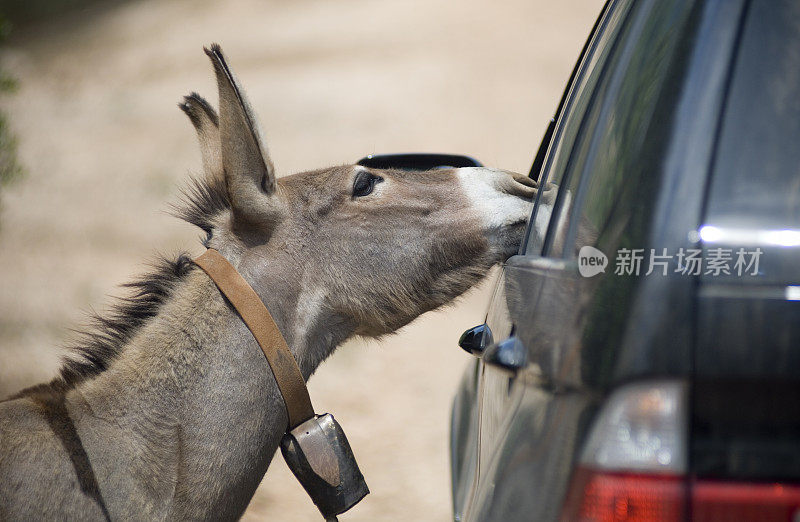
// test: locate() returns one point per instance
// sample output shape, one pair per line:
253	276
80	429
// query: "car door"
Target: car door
465	418
503	392
541	379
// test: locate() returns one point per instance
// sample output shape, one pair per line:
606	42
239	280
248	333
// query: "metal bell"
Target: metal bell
320	457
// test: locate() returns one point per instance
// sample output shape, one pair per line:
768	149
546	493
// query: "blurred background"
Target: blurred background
93	148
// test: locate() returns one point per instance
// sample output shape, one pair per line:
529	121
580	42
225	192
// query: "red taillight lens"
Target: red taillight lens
739	502
602	496
633	464
634	468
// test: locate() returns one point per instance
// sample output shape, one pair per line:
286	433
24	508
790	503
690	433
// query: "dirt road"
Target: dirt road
105	149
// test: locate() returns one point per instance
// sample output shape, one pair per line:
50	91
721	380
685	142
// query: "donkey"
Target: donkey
166	409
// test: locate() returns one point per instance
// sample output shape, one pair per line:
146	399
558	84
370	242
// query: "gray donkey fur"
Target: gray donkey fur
167	408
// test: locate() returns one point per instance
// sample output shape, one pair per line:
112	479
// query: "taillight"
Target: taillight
611	497
714	501
633	465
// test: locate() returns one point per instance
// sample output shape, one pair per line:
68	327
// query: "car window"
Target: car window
607	177
755	181
569	123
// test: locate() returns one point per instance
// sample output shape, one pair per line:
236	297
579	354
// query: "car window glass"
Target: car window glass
608	174
756	177
572	115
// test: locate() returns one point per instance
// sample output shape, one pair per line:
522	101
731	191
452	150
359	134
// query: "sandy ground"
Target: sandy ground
105	149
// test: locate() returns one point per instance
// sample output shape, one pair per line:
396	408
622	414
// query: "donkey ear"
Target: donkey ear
249	173
206	123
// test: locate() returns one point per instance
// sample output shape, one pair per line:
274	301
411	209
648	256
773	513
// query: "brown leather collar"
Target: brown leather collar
261	324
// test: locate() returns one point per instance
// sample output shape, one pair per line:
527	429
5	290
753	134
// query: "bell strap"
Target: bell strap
261	324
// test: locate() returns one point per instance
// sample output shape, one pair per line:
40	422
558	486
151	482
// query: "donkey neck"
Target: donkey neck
310	327
195	393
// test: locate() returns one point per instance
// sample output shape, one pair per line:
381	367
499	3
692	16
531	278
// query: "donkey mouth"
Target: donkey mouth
523	208
507	239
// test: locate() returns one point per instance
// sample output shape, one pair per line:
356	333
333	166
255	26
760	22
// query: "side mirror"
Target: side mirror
509	354
476	339
416	161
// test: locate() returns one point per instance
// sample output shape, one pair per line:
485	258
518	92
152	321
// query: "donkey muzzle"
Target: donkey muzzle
320	457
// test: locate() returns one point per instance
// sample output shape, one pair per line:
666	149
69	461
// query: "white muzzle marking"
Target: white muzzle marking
488	192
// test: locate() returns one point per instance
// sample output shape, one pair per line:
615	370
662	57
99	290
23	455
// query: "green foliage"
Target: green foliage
24	12
10	168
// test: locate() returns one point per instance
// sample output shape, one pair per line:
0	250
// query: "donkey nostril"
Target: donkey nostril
525	180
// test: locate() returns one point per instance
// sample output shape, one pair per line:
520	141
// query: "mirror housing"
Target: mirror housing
509	354
476	339
417	161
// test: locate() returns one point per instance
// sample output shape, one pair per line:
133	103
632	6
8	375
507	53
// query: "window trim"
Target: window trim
546	152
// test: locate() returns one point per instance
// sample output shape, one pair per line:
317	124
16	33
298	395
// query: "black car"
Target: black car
664	383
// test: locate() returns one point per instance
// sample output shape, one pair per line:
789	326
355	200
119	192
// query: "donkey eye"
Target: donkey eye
364	184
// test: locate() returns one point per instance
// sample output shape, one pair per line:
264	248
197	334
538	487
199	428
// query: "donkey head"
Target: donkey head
371	248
